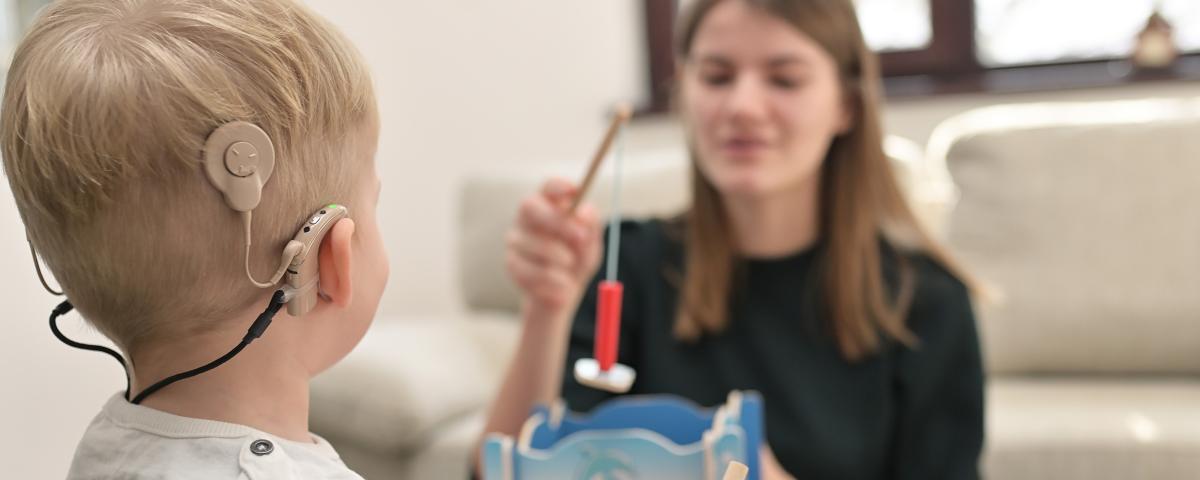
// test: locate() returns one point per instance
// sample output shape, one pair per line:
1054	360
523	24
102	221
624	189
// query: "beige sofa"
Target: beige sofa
1089	229
1086	217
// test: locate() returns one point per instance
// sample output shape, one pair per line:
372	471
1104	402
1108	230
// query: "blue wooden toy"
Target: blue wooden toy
628	438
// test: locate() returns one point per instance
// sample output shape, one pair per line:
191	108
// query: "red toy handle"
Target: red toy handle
608	323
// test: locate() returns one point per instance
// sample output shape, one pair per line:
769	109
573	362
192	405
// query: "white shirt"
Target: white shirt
128	441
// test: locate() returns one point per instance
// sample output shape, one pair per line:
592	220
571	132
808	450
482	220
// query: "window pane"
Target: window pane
1019	32
888	25
895	25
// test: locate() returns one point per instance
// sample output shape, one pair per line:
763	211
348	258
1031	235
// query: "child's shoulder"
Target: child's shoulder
132	441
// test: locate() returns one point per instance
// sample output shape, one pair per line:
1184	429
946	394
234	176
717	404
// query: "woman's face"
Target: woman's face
761	102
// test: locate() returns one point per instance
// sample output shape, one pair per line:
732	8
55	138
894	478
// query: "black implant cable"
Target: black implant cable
64	308
256	330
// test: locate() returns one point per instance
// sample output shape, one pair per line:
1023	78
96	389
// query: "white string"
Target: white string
614	219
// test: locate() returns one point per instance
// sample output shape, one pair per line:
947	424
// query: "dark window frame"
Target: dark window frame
948	65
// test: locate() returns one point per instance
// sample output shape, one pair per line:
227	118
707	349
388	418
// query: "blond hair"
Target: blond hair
105	113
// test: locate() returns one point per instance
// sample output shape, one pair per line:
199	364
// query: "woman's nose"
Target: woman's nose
747	99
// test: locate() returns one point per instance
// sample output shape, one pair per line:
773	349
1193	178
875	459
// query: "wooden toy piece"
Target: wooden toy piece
617	379
736	471
622	116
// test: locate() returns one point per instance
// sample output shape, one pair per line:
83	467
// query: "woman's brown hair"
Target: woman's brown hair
860	203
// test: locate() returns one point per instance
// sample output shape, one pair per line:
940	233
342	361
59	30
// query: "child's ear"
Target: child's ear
336	263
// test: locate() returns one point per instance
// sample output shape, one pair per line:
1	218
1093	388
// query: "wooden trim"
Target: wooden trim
660	38
952	49
1041	78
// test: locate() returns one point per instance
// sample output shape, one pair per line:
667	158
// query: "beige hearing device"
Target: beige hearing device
301	290
239	158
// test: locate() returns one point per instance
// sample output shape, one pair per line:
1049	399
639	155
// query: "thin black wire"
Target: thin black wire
256	330
66	307
188	374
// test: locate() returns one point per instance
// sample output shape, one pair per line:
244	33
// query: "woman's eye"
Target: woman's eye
716	79
786	83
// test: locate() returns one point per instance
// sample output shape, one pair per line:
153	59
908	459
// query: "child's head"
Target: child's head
107	108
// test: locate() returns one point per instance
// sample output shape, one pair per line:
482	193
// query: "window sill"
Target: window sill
1039	78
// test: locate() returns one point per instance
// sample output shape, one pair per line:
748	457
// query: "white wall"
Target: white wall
463	85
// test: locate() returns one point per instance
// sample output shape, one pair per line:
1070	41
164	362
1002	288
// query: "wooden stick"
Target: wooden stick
622	116
736	471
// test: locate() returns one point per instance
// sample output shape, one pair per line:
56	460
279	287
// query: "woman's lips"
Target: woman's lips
743	148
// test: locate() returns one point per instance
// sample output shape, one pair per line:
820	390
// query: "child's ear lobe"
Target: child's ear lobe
336	263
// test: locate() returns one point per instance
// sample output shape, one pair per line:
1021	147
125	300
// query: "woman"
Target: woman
798	271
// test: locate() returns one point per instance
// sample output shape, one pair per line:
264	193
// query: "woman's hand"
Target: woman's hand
770	467
552	254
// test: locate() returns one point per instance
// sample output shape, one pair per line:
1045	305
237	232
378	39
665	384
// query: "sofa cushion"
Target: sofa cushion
1095	429
655	184
1087	220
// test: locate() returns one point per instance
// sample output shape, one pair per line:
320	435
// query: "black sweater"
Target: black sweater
901	414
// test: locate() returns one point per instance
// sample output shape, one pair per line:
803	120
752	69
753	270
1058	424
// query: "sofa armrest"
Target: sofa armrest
410	376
